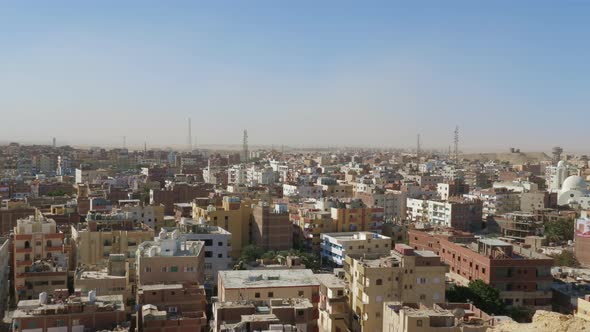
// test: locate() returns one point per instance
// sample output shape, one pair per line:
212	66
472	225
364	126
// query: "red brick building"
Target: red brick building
522	281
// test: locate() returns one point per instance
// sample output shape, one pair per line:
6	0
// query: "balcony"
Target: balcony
54	248
24	263
23	250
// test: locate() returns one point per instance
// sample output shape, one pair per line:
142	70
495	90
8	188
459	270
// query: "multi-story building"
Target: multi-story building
356	216
10	213
170	259
496	201
40	261
150	215
302	190
426	180
91	313
461	214
393	202
335	246
522	281
178	193
113	280
333	307
172	307
237	174
309	224
272	229
404	274
412	317
106	234
234	216
5	248
261	285
452	188
217	247
294	314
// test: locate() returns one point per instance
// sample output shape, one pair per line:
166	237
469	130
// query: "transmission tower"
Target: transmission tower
456	141
245	146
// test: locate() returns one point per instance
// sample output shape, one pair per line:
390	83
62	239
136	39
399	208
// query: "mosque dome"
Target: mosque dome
574	182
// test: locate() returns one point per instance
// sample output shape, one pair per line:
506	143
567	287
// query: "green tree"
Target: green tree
251	253
480	294
57	192
521	314
486	298
559	231
566	258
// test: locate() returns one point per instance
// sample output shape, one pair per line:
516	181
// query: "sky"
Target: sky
299	73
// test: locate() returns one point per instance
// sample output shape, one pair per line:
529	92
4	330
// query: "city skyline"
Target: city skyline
301	74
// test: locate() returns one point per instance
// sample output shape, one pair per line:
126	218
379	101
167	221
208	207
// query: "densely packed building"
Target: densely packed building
342	240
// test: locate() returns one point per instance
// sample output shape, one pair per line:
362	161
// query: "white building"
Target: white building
217	247
335	246
237	174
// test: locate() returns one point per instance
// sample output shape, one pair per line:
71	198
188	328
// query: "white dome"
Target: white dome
561	163
574	182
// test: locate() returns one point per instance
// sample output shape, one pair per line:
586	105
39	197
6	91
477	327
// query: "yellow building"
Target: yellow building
98	239
584	308
405	275
311	223
333	307
356	216
40	261
235	216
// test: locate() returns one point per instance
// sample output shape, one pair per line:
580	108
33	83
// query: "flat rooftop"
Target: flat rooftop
330	280
355	236
267	278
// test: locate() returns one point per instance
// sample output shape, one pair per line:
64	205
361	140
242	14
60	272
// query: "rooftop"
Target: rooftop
31	308
267	278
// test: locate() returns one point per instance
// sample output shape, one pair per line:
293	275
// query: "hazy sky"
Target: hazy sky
307	73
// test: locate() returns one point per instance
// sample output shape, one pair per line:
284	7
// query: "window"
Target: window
419	323
208	266
379	282
378	314
340	292
174	269
49	243
148	269
220	244
271	294
300	293
257	295
208	254
422	297
208	242
219	255
300	312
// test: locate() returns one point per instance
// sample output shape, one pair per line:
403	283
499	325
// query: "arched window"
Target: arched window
48	243
27	245
379	282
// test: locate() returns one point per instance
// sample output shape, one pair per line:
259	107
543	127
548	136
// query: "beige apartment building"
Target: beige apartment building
170	259
403	275
40	263
333	306
253	285
113	280
234	215
452	317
